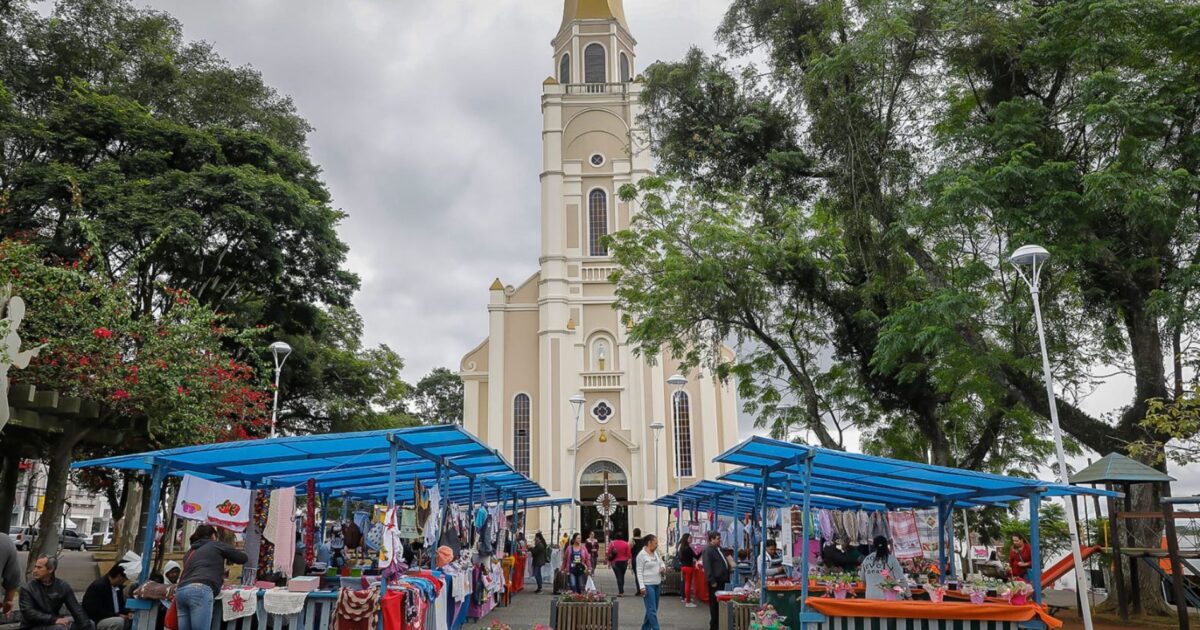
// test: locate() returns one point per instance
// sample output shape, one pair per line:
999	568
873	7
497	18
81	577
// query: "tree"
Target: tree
197	178
438	398
170	373
874	178
1178	422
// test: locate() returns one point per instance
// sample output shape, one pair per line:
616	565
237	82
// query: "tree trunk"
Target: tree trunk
56	495
8	488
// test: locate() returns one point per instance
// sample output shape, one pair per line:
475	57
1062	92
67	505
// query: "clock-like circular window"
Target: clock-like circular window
602	411
597	160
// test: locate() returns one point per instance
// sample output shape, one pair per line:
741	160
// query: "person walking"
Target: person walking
686	556
882	563
636	548
593	547
577	564
10	573
619	555
648	571
716	573
203	573
541	557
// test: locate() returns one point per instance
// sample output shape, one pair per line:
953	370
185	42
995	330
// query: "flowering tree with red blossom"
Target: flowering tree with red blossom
169	373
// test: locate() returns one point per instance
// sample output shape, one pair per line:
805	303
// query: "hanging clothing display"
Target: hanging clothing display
430	526
864	528
239	602
214	503
281	601
906	543
839	524
879	525
281	529
310	517
266	549
408	522
422	502
356	610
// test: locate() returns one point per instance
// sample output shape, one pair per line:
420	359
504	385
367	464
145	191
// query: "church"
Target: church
557	387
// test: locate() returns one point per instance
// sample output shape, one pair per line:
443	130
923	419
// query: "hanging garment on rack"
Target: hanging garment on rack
486	541
850	526
280	601
430	527
393	610
239	602
421	499
356	610
409	528
839	525
450	538
266	549
864	527
281	529
879	525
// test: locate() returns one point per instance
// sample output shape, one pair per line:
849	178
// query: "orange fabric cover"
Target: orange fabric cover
926	610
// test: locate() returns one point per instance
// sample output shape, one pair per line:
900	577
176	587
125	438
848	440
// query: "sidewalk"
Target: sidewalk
528	609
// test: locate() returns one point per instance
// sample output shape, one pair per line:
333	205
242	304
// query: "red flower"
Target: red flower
102	333
83	360
181	390
120	395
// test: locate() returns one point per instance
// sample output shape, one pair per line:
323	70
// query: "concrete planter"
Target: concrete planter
583	615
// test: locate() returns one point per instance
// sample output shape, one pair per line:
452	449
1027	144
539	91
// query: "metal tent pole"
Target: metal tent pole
157	474
1035	553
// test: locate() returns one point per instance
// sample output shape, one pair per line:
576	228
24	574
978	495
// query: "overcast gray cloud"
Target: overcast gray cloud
428	128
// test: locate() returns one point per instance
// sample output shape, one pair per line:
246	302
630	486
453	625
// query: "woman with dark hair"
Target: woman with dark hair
1020	557
577	563
686	556
541	557
203	574
882	564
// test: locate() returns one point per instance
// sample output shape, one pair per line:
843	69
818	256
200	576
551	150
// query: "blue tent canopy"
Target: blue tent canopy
356	465
735	499
870	481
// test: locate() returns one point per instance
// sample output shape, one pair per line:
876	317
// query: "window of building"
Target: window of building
594	70
521	434
564	69
625	69
597	222
683	434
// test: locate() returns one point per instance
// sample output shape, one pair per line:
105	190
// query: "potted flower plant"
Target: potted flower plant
891	586
977	589
842	585
766	618
572	610
1019	592
937	592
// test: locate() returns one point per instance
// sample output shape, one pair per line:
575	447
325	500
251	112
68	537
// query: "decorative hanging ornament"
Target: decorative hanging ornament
606	504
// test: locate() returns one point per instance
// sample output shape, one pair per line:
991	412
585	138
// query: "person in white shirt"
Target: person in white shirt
649	571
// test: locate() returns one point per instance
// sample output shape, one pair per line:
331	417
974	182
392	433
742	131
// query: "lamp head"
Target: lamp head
1029	255
657	426
677	380
280	350
577	401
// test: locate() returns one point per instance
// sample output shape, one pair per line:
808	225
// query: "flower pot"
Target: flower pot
936	597
977	598
839	594
1019	600
890	595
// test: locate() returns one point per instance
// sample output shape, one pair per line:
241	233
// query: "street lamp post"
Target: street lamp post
577	402
656	428
280	352
1034	257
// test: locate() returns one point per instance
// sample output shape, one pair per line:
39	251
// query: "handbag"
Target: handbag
171	620
591	586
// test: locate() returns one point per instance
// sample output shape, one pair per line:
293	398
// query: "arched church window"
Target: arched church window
594	70
625	69
681	409
564	69
521	434
597	222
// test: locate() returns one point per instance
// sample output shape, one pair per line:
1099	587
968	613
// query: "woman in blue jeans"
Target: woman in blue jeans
650	570
577	564
203	573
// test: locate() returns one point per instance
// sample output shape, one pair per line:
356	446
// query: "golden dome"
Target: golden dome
594	10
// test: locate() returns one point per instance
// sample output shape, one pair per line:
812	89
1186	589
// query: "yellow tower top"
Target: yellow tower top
594	10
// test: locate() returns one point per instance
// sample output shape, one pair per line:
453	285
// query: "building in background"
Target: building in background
558	333
89	515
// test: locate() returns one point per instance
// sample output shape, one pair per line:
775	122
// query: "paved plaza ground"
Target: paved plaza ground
528	609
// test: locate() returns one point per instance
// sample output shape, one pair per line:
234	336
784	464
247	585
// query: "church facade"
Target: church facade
558	335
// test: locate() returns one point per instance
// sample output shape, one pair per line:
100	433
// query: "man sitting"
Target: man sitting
104	601
43	597
774	562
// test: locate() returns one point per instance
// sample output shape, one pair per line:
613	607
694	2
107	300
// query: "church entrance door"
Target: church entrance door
605	515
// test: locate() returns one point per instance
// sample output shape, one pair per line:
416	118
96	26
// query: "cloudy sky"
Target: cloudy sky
428	129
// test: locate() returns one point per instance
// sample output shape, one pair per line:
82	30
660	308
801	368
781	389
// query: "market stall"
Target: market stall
438	486
867	489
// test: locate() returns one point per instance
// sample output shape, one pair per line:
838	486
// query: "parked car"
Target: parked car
70	539
23	537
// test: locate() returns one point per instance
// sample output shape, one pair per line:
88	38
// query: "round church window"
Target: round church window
597	160
602	411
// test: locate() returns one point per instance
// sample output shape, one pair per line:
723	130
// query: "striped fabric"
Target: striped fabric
862	623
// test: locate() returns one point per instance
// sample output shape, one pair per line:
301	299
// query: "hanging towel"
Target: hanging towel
280	601
214	503
408	523
393	610
356	610
239	602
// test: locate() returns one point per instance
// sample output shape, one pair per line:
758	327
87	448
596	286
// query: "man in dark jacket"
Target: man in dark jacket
10	574
43	597
716	573
104	601
638	544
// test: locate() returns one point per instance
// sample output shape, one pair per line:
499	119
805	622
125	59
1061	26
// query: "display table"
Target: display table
843	614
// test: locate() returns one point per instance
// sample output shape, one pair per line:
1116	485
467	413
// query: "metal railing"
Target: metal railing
597	88
602	381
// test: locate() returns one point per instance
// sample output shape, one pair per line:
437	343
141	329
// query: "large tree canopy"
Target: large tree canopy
847	211
152	155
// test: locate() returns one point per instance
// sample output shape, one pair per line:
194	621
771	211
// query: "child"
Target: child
743	568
